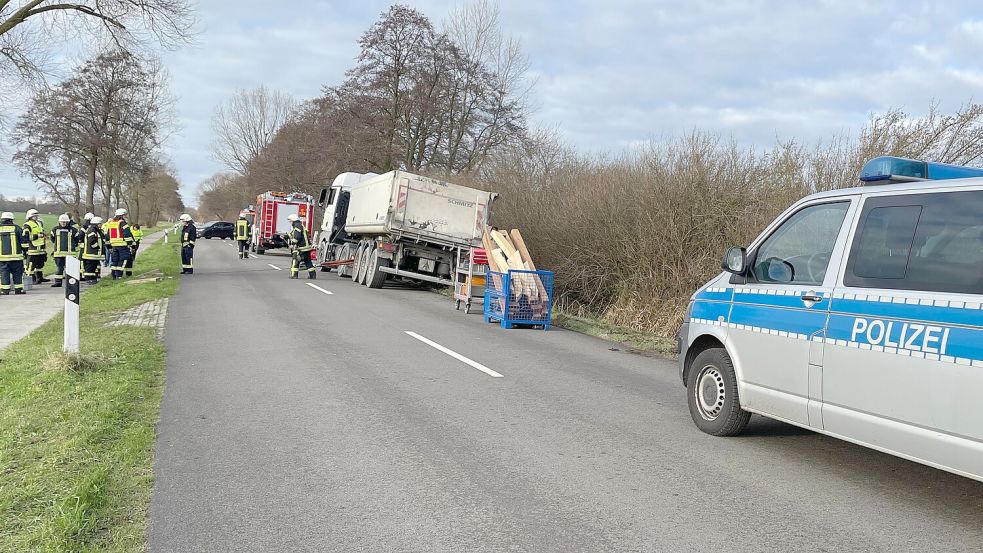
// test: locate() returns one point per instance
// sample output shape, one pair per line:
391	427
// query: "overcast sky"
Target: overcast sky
614	73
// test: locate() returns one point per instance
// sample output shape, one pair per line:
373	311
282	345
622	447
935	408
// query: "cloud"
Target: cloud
621	72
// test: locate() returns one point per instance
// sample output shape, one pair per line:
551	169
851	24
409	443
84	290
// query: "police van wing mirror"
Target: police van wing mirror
323	196
735	261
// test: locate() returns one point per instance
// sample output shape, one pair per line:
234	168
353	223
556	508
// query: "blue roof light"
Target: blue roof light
889	169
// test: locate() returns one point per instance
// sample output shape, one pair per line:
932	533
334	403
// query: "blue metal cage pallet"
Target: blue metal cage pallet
519	298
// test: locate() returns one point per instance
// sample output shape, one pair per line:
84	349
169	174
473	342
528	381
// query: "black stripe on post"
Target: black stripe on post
72	289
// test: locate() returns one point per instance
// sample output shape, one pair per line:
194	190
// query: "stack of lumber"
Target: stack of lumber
507	251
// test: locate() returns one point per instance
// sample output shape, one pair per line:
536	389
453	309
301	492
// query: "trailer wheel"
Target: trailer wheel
343	252
357	266
377	278
363	268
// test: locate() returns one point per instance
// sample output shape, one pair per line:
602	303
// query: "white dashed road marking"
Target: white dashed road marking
455	355
274	266
319	289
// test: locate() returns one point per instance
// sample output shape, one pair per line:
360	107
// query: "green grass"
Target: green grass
638	342
77	439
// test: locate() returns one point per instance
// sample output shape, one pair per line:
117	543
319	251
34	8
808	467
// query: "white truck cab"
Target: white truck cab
857	313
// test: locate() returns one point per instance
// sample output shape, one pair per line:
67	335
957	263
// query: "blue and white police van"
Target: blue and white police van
857	313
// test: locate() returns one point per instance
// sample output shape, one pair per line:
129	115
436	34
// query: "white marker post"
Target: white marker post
72	273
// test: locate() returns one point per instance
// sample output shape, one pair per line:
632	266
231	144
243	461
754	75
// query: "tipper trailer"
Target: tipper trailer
399	224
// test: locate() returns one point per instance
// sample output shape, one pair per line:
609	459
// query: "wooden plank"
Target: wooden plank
520	245
506	246
489	250
527	259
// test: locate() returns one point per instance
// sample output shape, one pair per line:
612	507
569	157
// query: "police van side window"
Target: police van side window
924	242
799	251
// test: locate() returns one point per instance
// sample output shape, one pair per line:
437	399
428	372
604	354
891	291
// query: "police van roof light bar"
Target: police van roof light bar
890	170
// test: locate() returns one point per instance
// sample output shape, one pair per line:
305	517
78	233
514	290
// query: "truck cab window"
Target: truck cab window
798	252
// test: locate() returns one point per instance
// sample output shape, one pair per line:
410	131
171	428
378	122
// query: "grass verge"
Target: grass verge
633	340
77	439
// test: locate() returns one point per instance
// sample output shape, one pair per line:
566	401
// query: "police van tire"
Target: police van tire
377	278
712	395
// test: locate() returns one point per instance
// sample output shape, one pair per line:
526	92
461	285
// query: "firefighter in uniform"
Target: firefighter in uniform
120	240
300	243
37	255
93	250
137	238
65	239
13	246
188	236
242	235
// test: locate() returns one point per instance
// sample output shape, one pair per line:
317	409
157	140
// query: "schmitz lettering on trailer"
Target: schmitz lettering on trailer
460	202
901	335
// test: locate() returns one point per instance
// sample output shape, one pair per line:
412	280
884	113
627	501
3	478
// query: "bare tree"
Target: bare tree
222	195
246	123
489	98
94	130
32	30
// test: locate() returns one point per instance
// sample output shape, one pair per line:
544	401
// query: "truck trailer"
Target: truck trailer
271	227
399	224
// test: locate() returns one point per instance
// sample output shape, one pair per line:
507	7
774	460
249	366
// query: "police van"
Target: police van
857	313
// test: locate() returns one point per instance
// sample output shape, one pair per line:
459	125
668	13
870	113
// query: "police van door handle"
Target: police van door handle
812	297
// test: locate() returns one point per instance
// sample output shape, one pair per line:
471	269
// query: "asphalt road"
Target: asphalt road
295	420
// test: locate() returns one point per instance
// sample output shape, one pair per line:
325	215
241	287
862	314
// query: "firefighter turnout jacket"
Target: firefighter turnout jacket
118	233
242	229
66	241
188	235
13	242
299	239
93	247
34	233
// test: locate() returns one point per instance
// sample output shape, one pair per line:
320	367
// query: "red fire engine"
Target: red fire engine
270	225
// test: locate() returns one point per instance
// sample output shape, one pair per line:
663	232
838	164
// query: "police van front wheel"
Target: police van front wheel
712	394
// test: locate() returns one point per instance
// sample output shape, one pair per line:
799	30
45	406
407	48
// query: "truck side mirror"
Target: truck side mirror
735	261
322	197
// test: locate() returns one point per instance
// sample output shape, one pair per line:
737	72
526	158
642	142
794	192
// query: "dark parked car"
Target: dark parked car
219	229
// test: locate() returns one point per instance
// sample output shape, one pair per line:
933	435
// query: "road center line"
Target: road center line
316	287
455	355
274	266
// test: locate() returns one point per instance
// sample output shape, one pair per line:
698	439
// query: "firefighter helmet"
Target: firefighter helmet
32	213
96	221
121	212
292	217
6	215
64	218
185	217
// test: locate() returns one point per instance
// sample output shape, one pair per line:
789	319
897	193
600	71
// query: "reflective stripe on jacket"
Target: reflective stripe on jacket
299	238
66	240
242	229
11	243
34	232
119	233
93	245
